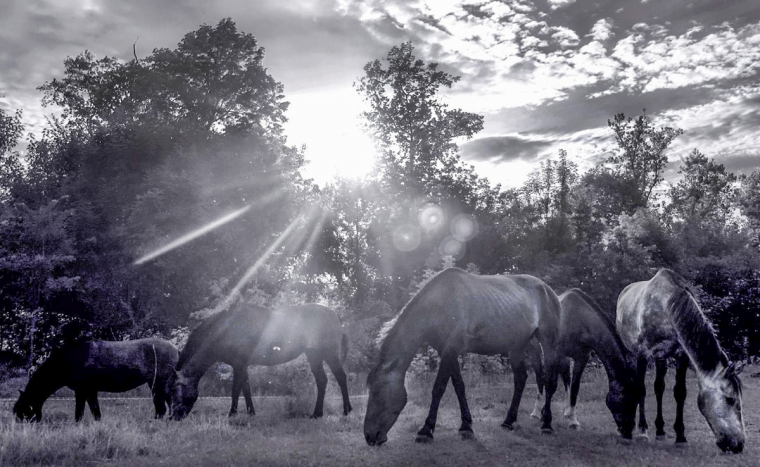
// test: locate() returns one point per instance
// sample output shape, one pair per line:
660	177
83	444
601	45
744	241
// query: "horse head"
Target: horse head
720	401
183	393
25	410
387	398
622	401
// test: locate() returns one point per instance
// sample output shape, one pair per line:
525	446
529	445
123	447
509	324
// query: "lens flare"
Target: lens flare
431	216
406	237
464	227
192	235
450	246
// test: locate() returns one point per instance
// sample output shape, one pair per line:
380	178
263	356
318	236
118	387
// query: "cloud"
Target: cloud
602	30
503	148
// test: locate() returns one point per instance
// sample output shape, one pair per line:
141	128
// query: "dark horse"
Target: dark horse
90	367
247	335
455	313
660	318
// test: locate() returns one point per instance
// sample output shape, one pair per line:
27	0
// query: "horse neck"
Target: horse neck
198	363
48	378
612	354
696	335
405	338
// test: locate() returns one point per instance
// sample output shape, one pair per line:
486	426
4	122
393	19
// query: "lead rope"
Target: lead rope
155	370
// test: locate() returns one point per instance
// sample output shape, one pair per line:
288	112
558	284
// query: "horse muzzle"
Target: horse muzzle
376	440
727	444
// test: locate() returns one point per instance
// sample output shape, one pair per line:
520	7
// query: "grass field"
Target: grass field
281	434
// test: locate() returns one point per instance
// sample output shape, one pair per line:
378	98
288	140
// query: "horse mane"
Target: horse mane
696	331
605	317
390	328
198	336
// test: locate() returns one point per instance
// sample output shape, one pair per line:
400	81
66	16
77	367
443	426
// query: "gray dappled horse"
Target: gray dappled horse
660	318
456	313
246	335
90	367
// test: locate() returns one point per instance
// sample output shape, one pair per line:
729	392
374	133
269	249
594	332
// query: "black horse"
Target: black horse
90	367
249	335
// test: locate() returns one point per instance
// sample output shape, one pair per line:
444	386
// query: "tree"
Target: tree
642	161
748	201
413	128
213	83
705	192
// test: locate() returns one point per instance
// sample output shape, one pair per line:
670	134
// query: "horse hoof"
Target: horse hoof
535	415
423	439
681	444
547	431
467	435
574	426
660	437
642	438
508	426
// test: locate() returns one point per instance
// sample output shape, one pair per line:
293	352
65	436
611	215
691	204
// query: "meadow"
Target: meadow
281	434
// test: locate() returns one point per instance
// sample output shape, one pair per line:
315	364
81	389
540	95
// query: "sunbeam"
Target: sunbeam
259	262
192	235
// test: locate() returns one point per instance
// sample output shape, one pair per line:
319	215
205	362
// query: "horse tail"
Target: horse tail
343	347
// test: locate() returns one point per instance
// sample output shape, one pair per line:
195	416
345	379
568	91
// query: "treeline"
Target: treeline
148	150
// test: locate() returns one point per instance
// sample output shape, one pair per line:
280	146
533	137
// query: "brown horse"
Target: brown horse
248	335
90	367
584	327
455	313
660	318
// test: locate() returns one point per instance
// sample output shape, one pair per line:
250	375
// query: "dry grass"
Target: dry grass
282	434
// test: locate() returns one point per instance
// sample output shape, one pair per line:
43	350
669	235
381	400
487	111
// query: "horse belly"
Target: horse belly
499	337
276	355
111	381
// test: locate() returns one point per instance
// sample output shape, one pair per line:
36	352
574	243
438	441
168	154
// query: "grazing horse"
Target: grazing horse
660	318
455	313
585	327
90	367
246	335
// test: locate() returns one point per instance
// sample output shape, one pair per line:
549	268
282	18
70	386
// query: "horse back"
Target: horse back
643	320
497	313
293	330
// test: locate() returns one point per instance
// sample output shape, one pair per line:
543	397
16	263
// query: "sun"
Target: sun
327	122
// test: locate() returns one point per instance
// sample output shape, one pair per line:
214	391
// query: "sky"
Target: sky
545	74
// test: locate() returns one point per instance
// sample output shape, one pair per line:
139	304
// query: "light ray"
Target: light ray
259	262
192	235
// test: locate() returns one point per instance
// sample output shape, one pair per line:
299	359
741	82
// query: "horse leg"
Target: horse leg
520	371
536	361
465	431
661	367
236	377
245	386
578	367
641	373
319	375
679	392
552	367
337	370
425	435
79	407
159	403
92	401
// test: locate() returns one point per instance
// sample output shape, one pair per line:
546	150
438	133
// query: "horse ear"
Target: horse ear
739	368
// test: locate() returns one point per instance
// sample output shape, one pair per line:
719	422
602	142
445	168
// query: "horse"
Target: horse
90	367
246	335
660	318
583	328
455	313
